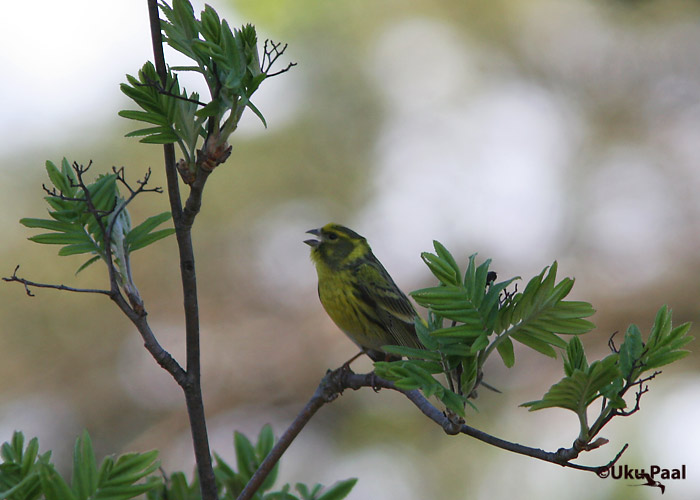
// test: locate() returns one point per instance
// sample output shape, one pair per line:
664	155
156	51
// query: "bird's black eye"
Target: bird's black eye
332	236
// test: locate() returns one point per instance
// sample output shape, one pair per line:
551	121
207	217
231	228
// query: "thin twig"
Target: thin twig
28	283
271	55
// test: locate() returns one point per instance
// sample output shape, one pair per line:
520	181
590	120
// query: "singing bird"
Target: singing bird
358	294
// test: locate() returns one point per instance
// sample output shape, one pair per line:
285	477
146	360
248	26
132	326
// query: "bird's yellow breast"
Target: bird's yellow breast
336	291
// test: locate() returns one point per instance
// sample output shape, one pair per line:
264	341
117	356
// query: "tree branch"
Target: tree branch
162	357
16	279
335	382
192	384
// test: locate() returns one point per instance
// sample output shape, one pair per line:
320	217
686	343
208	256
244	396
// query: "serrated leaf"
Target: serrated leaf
575	357
577	391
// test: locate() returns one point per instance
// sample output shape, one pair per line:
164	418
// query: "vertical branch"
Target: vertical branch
192	387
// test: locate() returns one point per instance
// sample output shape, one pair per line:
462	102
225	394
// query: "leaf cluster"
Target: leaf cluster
26	475
612	377
93	219
470	315
229	62
230	481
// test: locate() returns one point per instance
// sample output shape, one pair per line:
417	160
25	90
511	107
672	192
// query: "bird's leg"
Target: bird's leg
346	365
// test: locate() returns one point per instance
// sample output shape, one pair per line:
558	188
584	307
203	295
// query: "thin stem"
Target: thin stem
27	284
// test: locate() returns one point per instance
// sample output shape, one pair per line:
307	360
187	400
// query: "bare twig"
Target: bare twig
641	390
28	283
161	356
270	55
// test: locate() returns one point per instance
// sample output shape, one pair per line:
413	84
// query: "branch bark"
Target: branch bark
192	383
336	381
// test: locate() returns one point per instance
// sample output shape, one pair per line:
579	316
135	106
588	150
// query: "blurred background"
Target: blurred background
524	131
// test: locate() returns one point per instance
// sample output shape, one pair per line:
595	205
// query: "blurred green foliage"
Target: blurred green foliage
26	475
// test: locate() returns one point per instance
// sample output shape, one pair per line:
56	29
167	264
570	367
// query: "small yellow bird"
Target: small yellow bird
358	293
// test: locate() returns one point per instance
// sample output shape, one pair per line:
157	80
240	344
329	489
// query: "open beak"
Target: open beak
314	243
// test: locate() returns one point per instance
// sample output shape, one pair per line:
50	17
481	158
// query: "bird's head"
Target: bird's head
336	245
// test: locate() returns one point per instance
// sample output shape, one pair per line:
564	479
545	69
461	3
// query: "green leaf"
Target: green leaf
61	238
245	455
58	179
664	358
150	238
577	391
146	227
51	225
339	490
534	343
460	331
440	268
132	466
411	352
29	456
88	263
505	349
84	481
78	248
480	343
423	333
257	112
575	357
266	440
631	350
53	486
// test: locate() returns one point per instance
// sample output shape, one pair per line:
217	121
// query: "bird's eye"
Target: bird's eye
332	236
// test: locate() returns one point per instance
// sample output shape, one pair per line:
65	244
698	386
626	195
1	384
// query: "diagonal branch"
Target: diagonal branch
162	357
335	382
